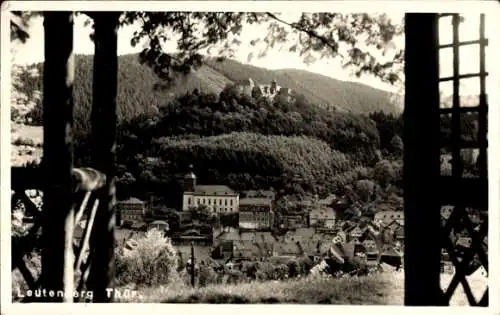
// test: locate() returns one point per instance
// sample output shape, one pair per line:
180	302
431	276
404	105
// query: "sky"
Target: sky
32	50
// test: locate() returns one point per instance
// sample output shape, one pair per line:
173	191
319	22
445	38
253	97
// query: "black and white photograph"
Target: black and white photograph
250	152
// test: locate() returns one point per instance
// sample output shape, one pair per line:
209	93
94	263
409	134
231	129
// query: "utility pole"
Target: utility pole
192	264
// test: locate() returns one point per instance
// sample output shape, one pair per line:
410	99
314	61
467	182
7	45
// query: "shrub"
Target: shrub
235	276
265	271
293	268
153	261
280	272
33	262
24	141
206	276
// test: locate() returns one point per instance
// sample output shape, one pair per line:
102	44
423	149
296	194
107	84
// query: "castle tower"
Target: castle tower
189	180
274	87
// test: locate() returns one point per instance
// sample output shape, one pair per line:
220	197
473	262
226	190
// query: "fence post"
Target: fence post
192	265
421	161
57	216
104	120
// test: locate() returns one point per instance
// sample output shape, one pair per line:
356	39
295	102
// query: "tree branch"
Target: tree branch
308	32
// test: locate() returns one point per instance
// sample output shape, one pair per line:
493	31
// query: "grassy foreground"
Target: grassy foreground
377	289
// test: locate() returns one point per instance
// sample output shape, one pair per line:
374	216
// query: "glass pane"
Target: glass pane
445	94
469	58
445	31
469	28
446	62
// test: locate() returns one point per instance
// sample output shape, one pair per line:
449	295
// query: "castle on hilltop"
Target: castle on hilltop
271	91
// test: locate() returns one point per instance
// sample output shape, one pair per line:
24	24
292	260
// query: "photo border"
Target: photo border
492	13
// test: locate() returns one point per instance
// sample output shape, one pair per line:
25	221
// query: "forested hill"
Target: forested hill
137	93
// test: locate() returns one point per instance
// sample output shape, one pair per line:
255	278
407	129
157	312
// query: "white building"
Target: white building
218	198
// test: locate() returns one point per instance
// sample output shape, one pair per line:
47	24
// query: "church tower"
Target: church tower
189	180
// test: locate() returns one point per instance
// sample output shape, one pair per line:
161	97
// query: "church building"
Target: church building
218	198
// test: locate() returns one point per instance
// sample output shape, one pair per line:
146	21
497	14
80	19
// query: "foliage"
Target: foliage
152	262
229	219
249	161
206	275
389	126
313	35
33	262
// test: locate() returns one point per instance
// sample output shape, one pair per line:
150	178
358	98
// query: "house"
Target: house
392	257
243	250
342	236
218	198
160	225
446	212
329	200
130	210
399	233
193	236
464	242
322	217
355	232
293	221
392	232
255	213
388	216
337	240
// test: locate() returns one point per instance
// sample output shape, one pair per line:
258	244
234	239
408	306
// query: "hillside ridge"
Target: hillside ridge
138	90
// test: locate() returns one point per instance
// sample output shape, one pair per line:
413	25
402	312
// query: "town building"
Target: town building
255	213
355	232
217	198
130	210
159	225
387	217
292	221
322	217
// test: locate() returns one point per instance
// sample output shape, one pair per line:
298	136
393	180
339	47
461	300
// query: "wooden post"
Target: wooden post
421	161
58	219
192	265
104	122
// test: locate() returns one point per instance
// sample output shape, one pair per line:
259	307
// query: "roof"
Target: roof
255	201
131	201
328	200
303	232
214	190
260	194
327	212
159	222
392	253
337	253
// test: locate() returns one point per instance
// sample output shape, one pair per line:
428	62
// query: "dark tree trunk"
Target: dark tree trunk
104	119
421	161
58	257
